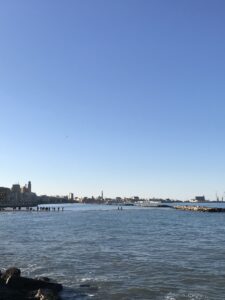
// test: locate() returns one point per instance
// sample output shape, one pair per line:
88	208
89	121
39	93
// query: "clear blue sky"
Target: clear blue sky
127	96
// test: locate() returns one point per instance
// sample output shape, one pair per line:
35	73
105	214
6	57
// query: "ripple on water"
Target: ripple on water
134	254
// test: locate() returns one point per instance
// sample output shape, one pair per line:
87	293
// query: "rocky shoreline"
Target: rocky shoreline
15	287
200	208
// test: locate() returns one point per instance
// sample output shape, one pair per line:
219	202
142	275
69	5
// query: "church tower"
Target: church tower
29	186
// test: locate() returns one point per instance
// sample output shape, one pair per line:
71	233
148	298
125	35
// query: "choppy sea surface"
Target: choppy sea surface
100	252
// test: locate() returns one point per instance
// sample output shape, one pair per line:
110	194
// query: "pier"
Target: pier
27	206
18	204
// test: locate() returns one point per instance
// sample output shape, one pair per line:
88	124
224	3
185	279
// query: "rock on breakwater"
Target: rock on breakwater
14	286
200	208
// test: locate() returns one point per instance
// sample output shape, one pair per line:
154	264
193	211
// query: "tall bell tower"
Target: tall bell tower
29	186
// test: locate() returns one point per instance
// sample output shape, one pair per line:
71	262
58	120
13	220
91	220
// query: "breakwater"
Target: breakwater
200	208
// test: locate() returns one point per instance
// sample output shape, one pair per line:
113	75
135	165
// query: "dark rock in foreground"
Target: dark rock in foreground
15	287
10	273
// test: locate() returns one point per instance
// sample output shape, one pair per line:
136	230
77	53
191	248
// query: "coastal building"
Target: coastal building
15	195
21	195
16	188
4	194
200	198
71	197
26	188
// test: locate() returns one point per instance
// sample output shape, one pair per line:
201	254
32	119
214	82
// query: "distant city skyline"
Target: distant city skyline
71	195
121	96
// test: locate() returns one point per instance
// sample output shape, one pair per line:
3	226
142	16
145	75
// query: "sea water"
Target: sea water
100	252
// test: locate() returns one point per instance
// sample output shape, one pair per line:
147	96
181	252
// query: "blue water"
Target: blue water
136	253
